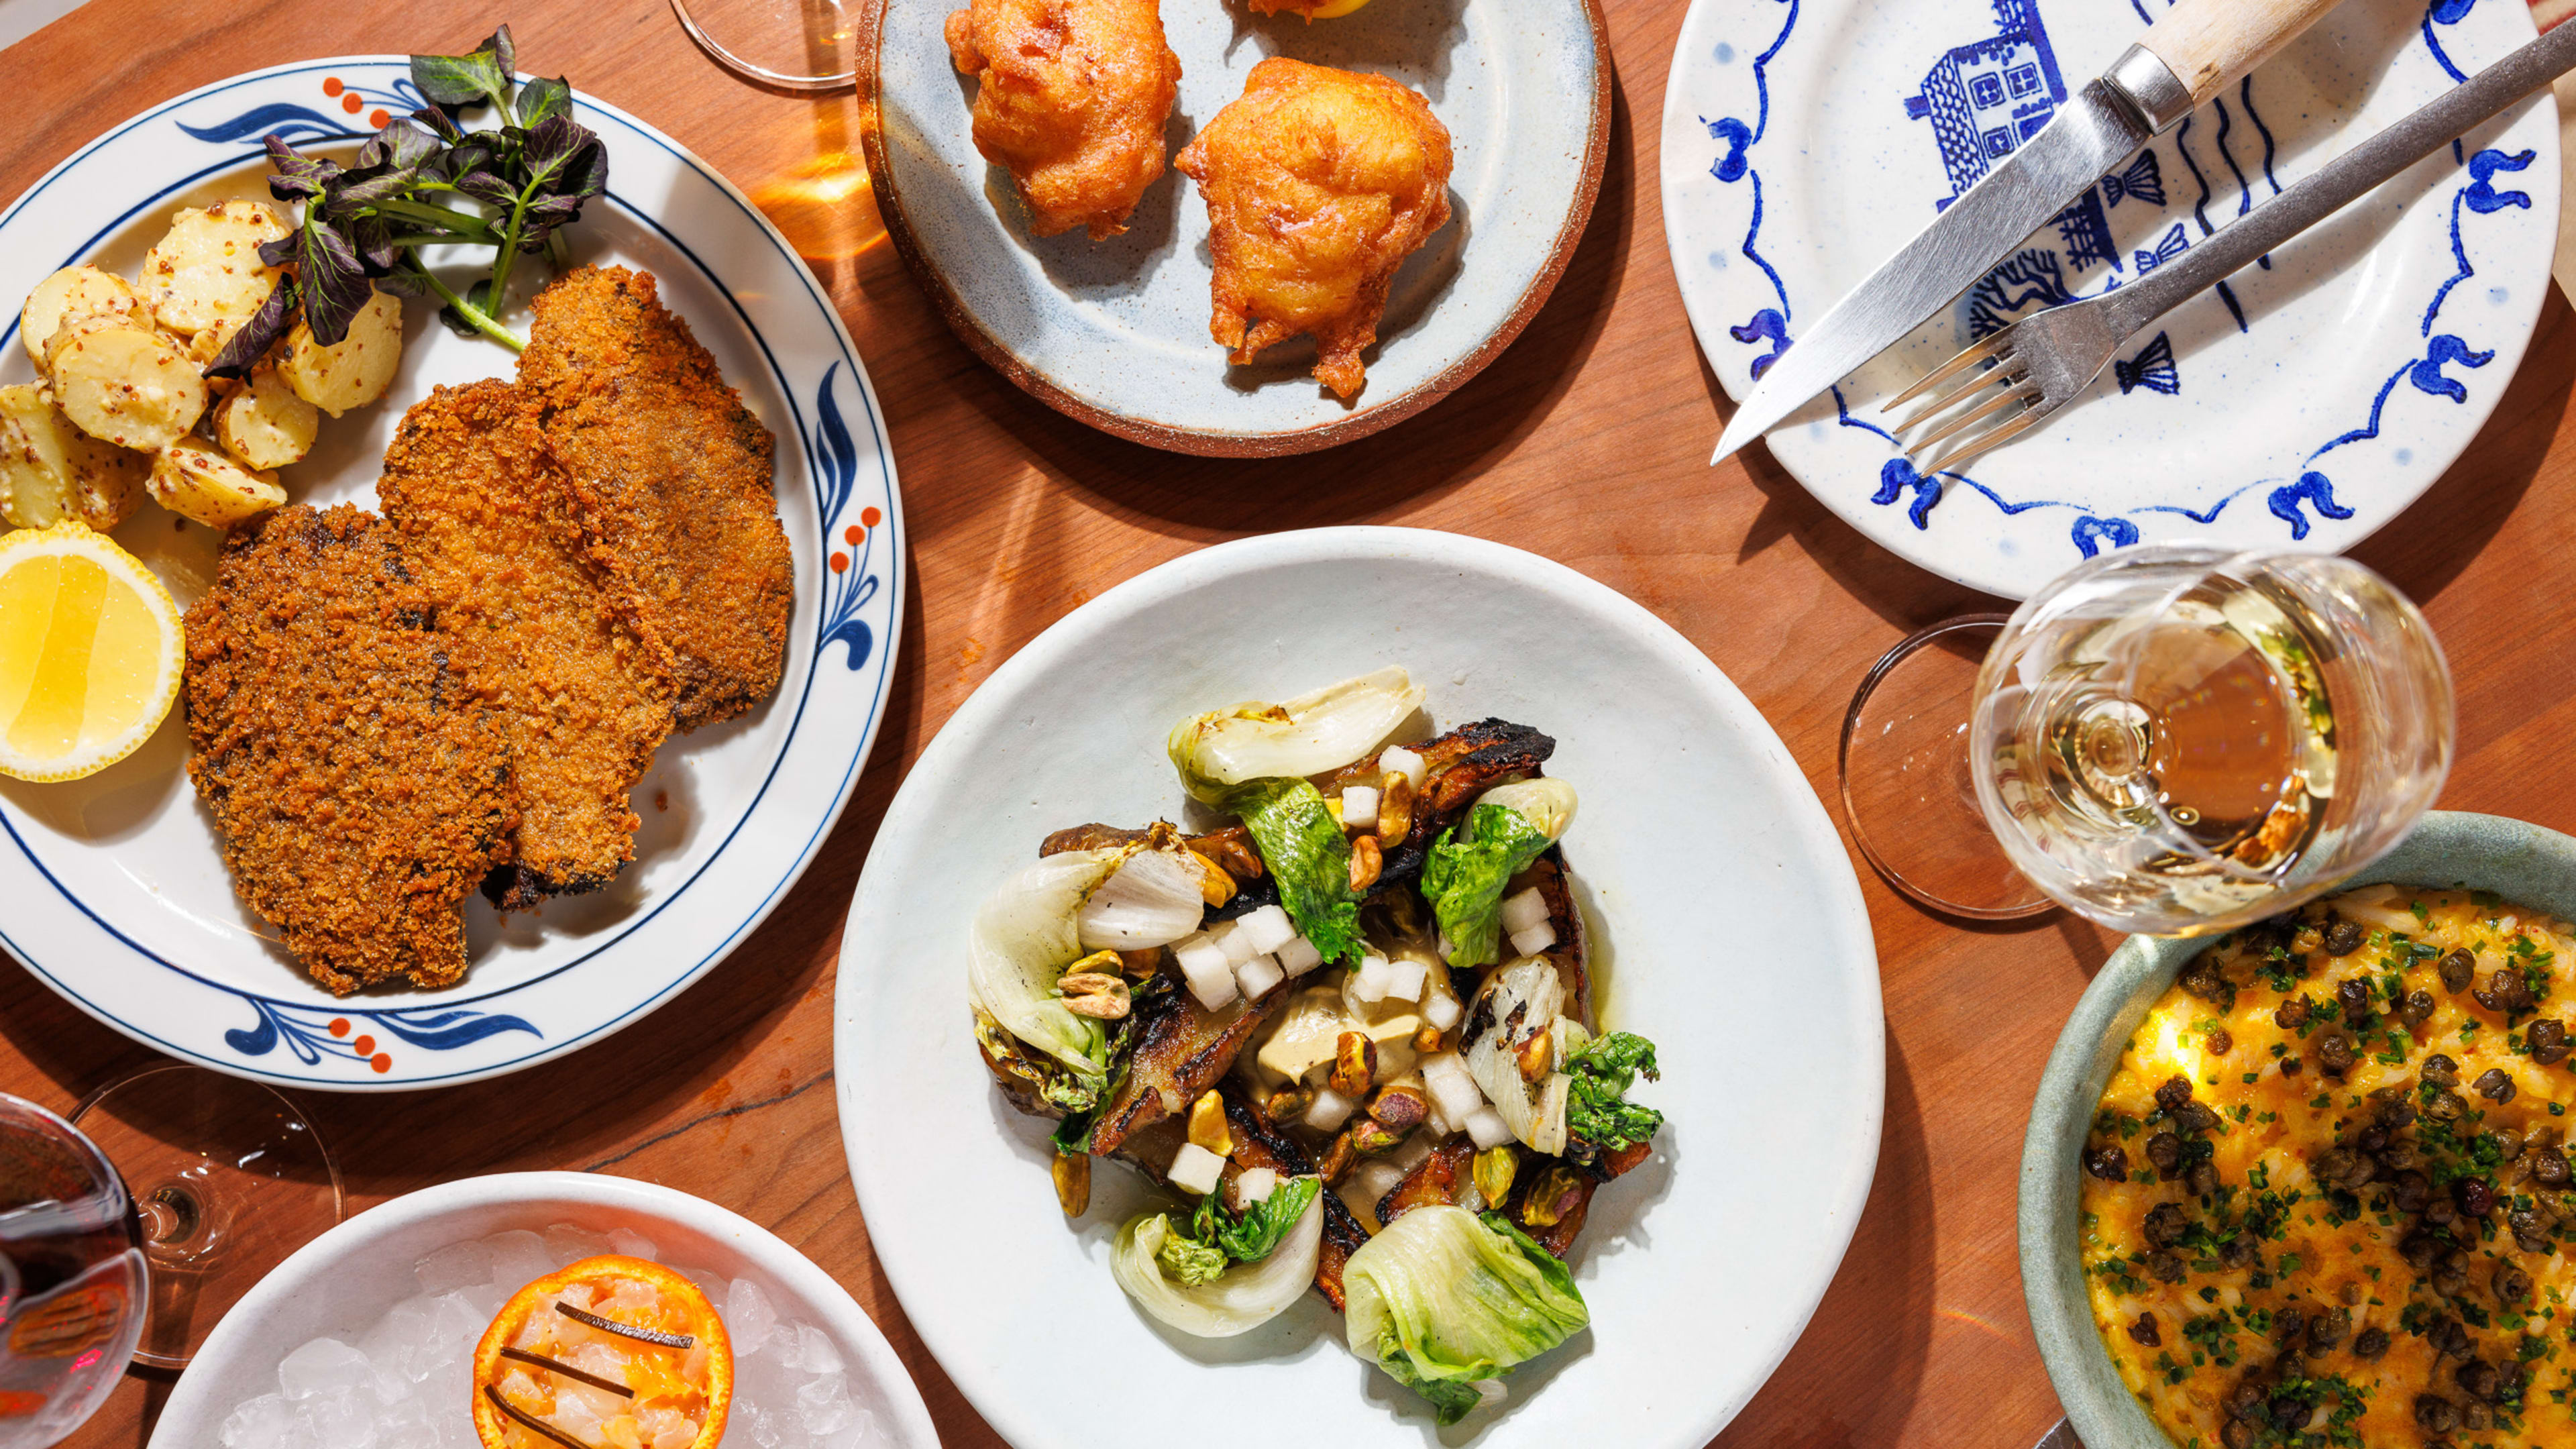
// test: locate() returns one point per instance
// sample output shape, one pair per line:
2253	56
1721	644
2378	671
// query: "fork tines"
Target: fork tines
2007	373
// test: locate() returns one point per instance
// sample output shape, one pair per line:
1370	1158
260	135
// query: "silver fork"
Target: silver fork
2042	362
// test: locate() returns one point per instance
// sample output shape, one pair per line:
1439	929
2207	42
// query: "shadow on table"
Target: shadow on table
1854	1373
1380	475
1899	592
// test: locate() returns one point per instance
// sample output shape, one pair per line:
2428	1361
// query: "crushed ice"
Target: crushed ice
406	1382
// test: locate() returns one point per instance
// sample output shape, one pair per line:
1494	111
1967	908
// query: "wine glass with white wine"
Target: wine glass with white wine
2180	739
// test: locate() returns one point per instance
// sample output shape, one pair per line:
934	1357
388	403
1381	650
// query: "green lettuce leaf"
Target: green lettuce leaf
1302	846
1466	871
1250	1237
1189	1262
1443	1298
1597	1111
1450	1401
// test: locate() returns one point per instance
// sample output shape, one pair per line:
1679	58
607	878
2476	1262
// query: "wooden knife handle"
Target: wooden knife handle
2209	43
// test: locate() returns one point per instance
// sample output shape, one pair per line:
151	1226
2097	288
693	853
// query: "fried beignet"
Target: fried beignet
1319	183
1071	100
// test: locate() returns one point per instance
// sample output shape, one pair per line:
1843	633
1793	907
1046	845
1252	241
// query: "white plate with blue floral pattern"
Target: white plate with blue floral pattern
115	892
2303	403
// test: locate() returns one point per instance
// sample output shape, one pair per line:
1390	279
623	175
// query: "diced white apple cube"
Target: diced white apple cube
1195	1169
1331	1109
1442	1011
1404	979
1452	1087
1237	944
1397	757
1485	1128
1534	940
1370	981
1525	910
1265	930
1255	1184
1204	967
1299	956
1257	976
1359	805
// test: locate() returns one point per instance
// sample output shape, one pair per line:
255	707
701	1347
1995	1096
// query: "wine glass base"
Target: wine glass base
1907	791
789	45
229	1179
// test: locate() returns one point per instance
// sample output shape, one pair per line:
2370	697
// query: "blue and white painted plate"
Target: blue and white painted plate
112	889
2304	403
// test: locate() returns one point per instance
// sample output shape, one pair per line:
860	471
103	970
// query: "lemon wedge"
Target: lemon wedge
91	651
1335	9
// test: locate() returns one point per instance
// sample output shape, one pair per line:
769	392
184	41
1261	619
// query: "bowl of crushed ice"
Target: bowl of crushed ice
364	1339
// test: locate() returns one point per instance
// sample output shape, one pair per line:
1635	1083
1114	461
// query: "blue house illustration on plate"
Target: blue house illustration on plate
1986	98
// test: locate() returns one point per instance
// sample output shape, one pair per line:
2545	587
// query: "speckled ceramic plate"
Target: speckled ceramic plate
113	889
2523	863
2304	402
1700	1268
1116	332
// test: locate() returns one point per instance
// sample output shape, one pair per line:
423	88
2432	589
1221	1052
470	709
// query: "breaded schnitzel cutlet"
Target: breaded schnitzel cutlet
361	787
582	697
671	480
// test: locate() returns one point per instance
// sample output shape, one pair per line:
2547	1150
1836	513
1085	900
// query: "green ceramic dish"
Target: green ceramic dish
2523	863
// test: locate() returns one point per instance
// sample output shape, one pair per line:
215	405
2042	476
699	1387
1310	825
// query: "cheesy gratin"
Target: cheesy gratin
2327	1193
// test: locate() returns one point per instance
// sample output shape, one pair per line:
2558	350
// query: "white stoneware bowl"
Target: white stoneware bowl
343	1281
1723	913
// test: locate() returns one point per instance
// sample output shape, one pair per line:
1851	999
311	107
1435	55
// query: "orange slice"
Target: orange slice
615	1352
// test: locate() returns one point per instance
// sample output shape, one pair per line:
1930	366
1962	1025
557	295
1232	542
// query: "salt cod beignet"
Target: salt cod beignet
1071	99
1318	183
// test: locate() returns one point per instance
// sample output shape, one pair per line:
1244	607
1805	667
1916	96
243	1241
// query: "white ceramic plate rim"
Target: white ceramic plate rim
877	1178
1841	466
73	948
195	1401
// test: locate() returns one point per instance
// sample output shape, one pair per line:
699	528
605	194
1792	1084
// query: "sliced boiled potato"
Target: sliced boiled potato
193	478
73	293
75	328
264	424
358	370
50	470
206	269
128	387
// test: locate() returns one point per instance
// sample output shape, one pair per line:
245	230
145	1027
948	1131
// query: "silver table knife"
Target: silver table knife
2185	58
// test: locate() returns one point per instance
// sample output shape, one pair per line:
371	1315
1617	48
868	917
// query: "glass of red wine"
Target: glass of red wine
129	1229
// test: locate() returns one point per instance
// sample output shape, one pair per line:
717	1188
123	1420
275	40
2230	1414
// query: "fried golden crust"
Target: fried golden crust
488	528
361	789
1318	183
1071	98
671	482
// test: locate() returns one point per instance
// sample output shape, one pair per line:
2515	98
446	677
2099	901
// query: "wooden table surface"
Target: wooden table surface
1586	441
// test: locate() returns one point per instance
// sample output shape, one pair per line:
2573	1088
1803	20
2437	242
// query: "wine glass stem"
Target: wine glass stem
171	1215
